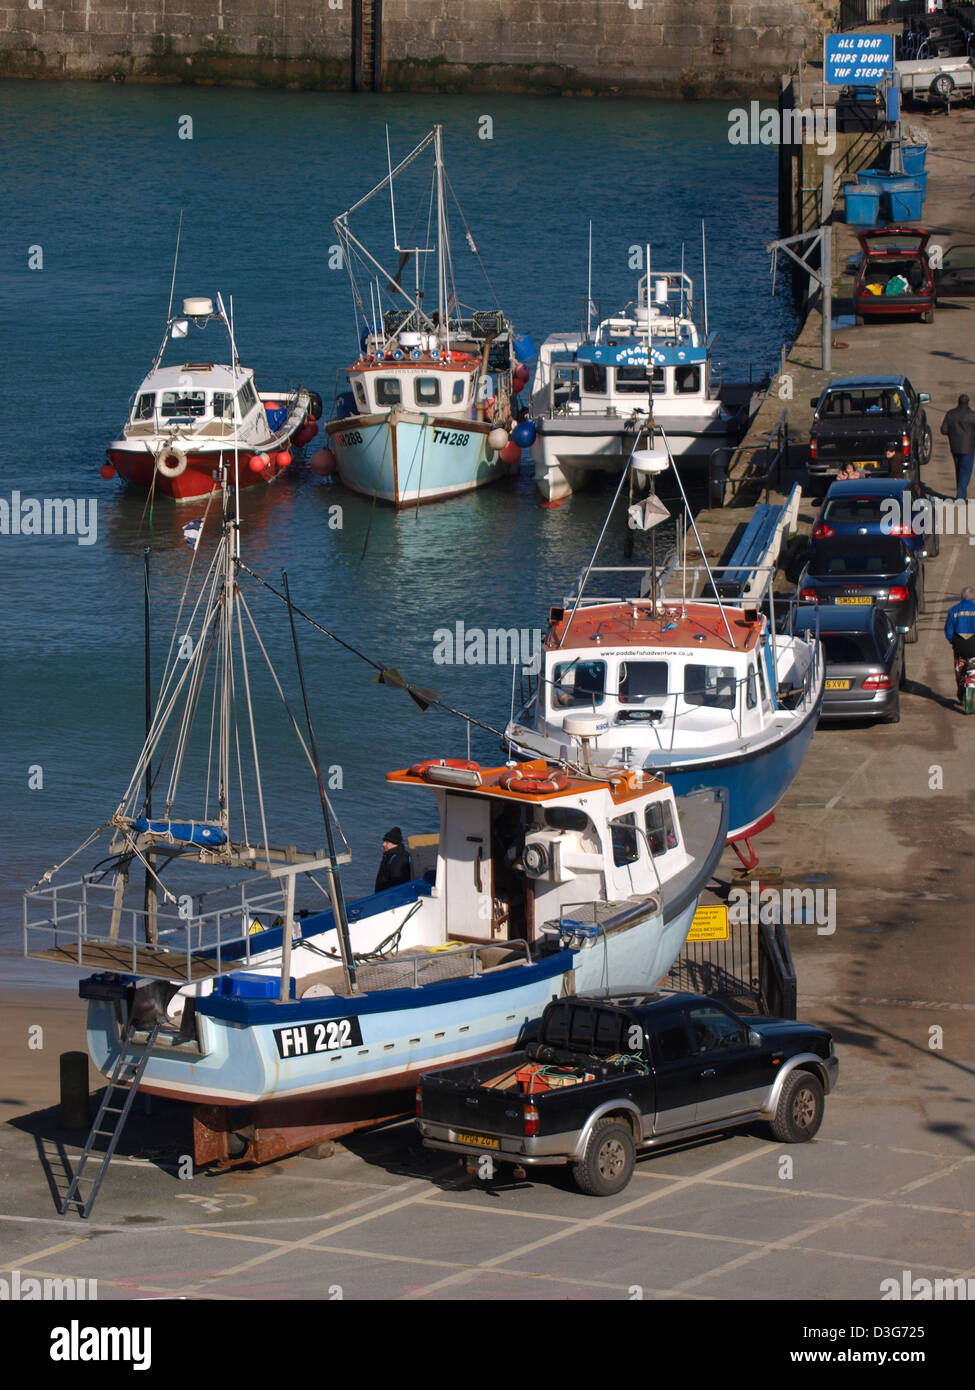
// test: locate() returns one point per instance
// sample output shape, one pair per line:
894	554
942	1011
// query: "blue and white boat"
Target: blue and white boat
428	413
285	1019
706	693
597	393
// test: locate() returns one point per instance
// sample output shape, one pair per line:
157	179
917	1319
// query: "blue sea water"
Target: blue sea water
96	175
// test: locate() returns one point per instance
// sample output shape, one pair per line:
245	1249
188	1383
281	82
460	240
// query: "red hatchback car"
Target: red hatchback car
894	276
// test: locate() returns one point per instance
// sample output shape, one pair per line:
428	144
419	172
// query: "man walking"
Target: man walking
960	632
959	426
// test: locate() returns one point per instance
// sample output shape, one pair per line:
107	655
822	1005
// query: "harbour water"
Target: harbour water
96	176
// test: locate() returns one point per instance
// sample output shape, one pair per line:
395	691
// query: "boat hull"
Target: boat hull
406	460
200	476
565	457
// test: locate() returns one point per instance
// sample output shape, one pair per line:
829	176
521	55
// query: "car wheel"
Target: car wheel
893	716
799	1112
608	1162
926	446
928	316
860	320
912	630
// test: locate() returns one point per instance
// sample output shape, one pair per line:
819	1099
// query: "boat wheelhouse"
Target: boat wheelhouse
188	421
596	394
428	411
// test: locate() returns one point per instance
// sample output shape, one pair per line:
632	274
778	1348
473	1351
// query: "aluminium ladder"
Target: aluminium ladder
124	1080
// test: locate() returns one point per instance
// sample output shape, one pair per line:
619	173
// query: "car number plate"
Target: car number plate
858	601
305	1039
478	1141
868	463
838	685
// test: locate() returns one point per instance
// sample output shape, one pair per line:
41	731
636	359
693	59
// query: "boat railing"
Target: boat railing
83	923
467	961
582	924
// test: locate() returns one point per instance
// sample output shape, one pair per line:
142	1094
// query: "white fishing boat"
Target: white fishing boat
192	419
428	414
597	392
231	976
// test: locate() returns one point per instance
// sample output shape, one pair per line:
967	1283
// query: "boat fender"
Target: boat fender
171	462
419	769
314	405
516	781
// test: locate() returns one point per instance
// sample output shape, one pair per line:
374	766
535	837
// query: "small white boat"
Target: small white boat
596	394
190	420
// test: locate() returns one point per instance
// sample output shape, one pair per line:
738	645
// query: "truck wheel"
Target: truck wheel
799	1112
912	631
927	446
894	717
608	1163
928	316
943	86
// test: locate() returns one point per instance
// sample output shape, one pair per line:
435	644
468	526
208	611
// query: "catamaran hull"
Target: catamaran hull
565	457
405	460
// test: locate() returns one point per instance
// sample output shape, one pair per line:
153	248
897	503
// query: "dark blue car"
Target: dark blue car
879	507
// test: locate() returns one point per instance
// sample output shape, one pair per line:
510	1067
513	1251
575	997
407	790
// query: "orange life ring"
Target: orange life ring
419	769
515	780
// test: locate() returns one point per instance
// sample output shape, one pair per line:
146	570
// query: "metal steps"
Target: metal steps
123	1082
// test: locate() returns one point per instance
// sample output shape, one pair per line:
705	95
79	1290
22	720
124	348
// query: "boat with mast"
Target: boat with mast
192	420
231	973
429	405
597	392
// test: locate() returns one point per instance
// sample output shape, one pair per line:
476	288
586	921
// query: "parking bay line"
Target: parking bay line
587	1223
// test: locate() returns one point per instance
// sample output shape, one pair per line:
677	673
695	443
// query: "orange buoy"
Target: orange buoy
323	463
511	453
107	470
282	459
259	462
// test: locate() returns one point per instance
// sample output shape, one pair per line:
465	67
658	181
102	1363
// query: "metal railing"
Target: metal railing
775	447
433	967
854	13
68	917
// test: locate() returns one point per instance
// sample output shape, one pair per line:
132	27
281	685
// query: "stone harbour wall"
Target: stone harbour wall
689	48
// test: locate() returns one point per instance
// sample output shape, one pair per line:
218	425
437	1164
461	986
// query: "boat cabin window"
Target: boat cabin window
751	697
246	400
661	831
626	841
387	390
457	395
761	681
360	394
594	379
145	406
710	685
687	379
635	378
426	390
641	680
222	405
566	818
578	683
183	403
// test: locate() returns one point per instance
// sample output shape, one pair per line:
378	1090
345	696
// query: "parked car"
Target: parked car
864	507
955	277
856	418
864	657
894	276
864	572
611	1074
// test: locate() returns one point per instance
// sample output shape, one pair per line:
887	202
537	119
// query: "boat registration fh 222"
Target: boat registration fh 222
304	1039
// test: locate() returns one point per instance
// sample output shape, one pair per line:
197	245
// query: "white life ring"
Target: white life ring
171	462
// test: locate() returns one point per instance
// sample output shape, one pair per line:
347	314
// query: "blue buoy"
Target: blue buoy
524	434
524	347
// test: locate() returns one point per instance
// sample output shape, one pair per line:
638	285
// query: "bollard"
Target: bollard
74	1091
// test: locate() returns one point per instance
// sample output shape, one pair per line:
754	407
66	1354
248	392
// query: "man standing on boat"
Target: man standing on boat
394	867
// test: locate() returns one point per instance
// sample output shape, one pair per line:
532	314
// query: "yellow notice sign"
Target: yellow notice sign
710	923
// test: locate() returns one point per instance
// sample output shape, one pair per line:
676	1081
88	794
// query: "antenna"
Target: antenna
704	257
172	286
392	200
589	289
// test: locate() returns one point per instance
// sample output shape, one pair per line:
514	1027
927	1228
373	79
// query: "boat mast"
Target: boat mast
441	234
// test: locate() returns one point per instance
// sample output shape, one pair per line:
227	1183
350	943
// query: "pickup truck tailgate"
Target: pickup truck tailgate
459	1099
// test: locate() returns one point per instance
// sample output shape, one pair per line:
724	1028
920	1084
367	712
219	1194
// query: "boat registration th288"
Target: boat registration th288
303	1039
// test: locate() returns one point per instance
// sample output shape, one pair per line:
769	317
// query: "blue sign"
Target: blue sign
858	59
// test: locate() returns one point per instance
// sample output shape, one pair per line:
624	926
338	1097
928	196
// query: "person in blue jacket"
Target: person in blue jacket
960	632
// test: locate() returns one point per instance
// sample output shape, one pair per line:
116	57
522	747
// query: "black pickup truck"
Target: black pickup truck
611	1074
856	418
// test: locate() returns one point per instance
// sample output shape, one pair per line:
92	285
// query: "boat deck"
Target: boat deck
417	967
126	960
